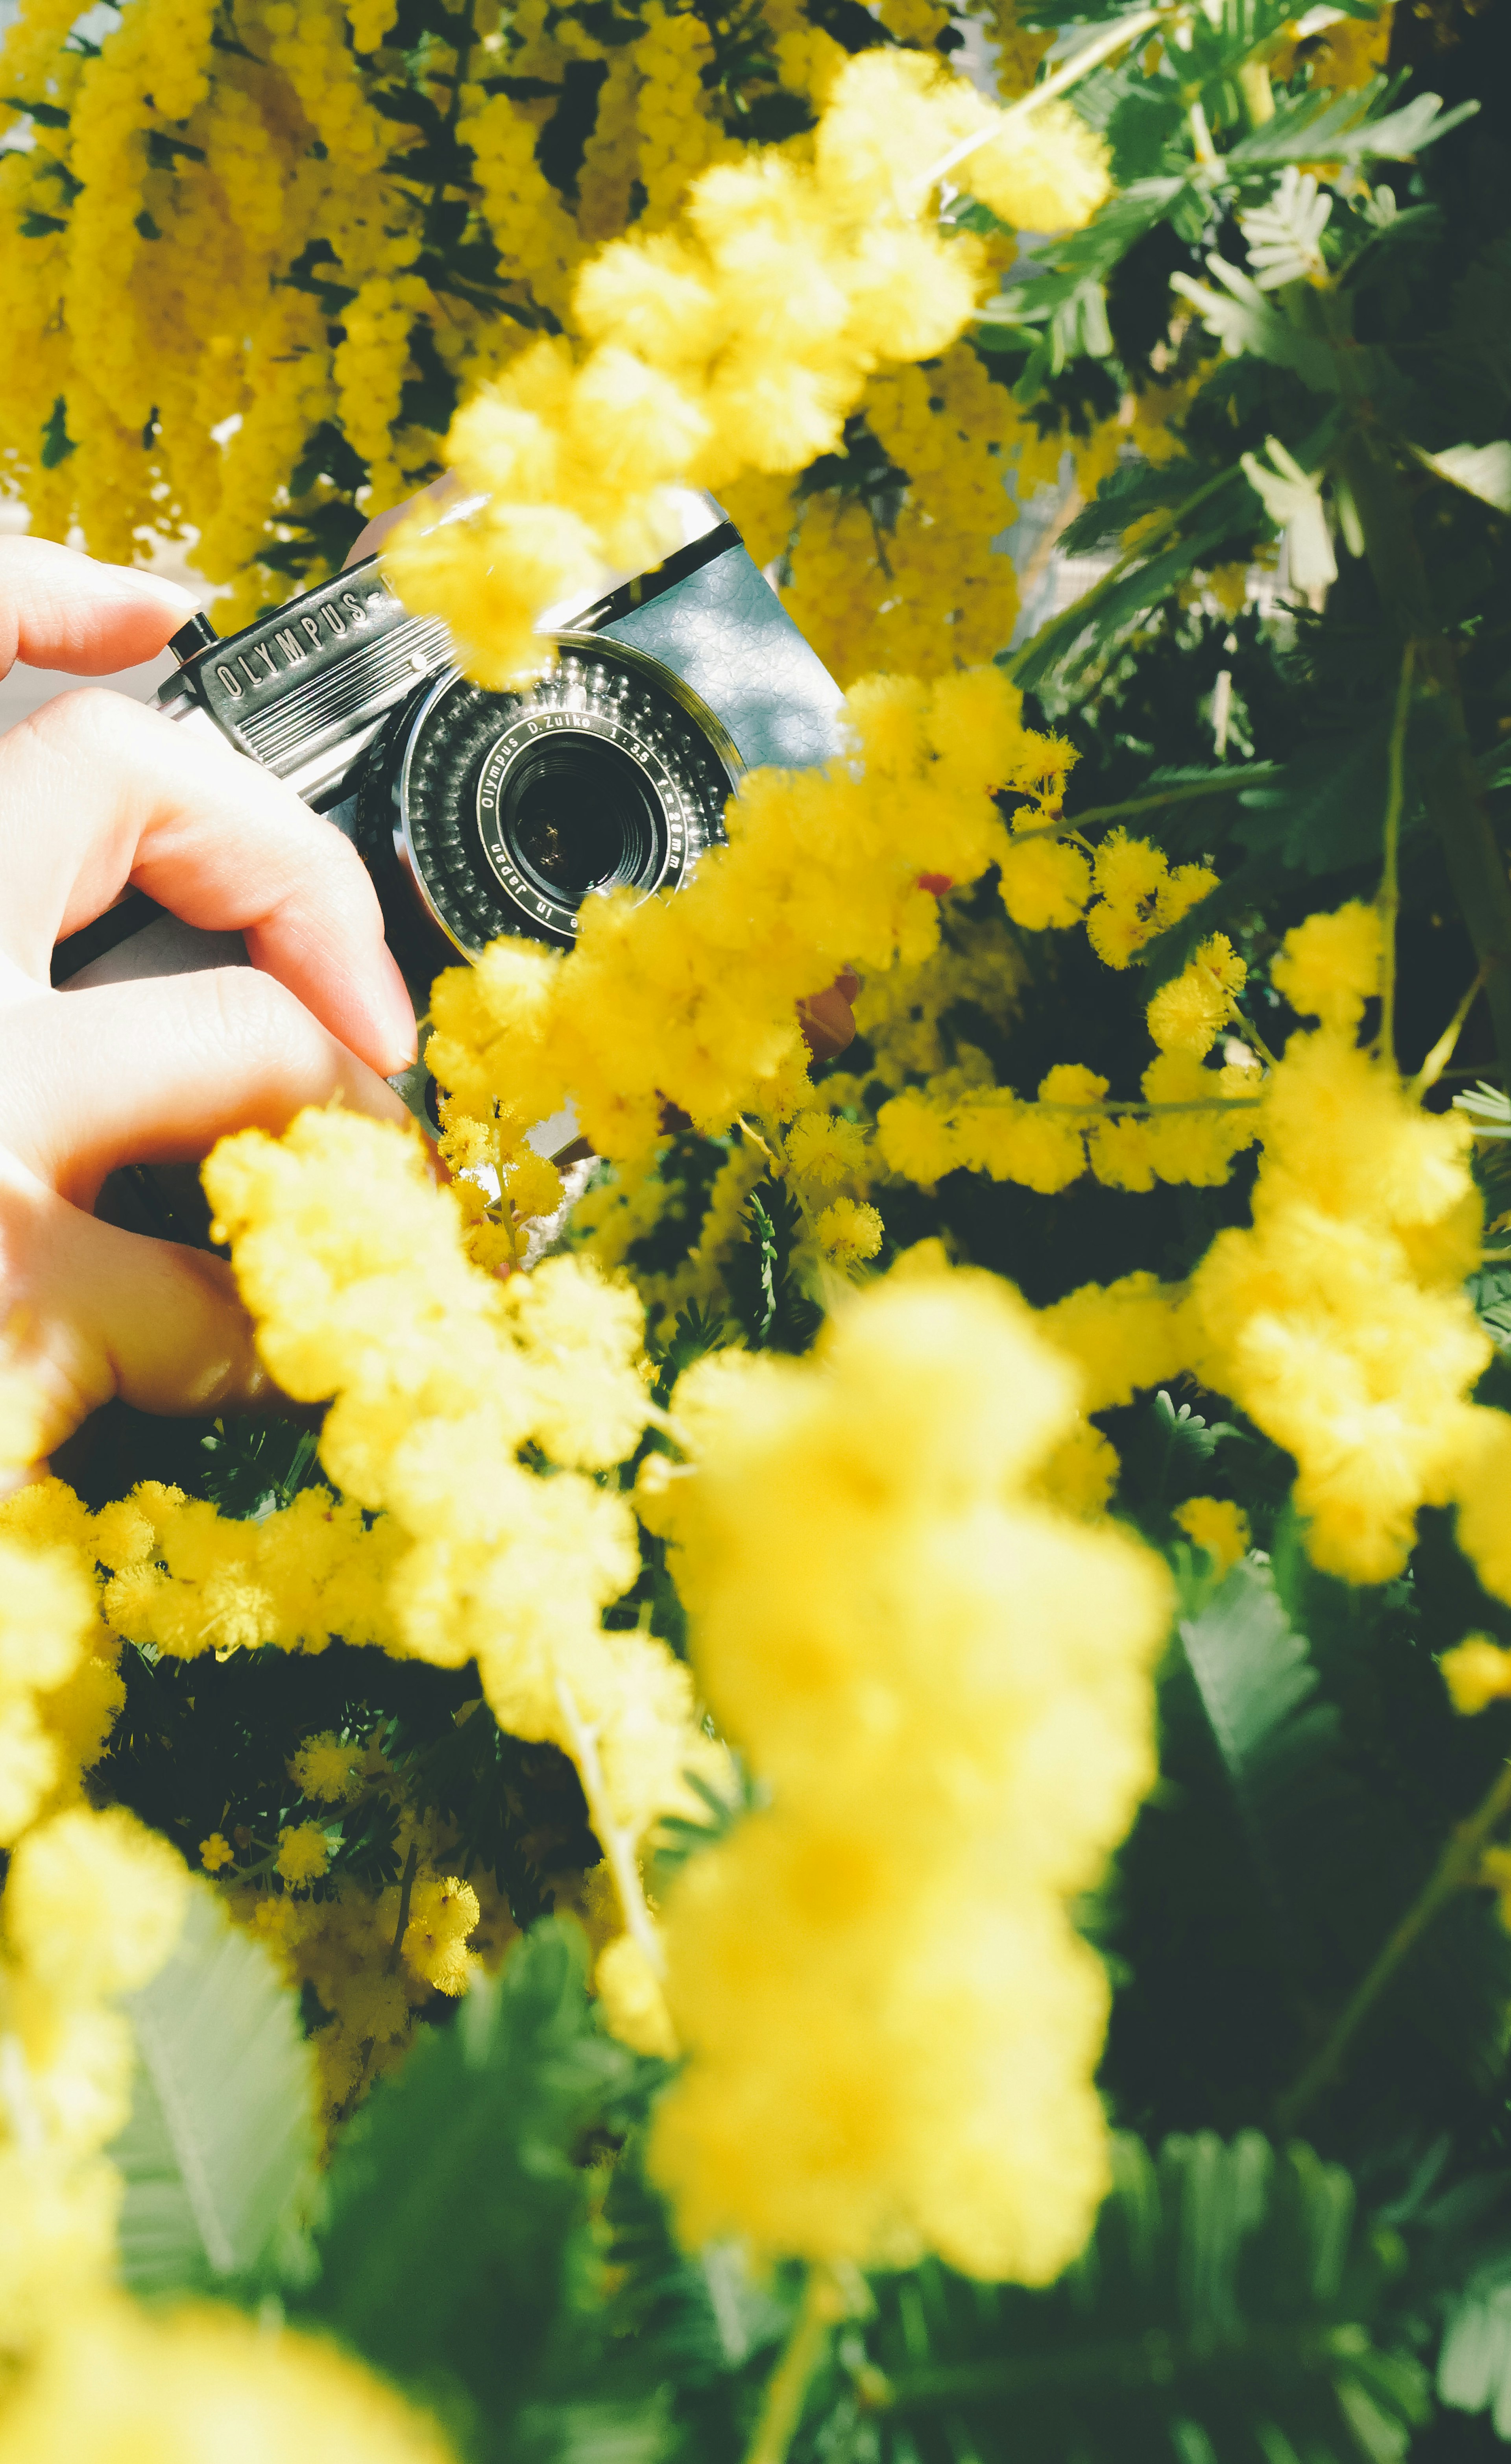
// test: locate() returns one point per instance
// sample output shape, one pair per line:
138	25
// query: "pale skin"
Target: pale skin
96	793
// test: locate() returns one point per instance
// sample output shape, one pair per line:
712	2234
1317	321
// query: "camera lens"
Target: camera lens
491	813
578	816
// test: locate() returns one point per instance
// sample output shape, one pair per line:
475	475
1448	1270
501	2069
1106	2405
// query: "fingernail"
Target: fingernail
400	1040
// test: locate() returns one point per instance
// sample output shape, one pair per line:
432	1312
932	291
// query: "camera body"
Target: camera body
485	813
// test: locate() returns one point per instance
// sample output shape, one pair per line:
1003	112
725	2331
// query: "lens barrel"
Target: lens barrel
500	813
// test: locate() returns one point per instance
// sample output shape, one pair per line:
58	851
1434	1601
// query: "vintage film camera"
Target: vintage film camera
481	813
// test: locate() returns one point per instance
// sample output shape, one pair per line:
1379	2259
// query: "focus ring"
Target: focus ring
445	787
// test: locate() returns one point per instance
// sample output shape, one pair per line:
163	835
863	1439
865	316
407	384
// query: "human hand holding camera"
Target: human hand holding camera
479	813
96	792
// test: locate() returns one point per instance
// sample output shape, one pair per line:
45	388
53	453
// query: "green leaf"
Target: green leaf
1474	2366
1245	321
45	114
1489	1290
774	1309
220	2140
1292	498
164	150
1258	1691
1319	127
56	443
1284	237
1070	639
1483	471
455	2254
1327	809
1228	2307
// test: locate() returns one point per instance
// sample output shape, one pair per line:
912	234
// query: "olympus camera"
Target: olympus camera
485	813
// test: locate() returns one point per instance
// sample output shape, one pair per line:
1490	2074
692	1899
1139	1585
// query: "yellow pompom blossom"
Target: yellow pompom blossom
327	1768
1339	1321
1330	964
890	2025
117	2384
1188	1014
1138	895
215	1852
186	1579
303	1853
1045	882
848	1233
1049	174
820	1146
1217	1526
1476	1672
935	590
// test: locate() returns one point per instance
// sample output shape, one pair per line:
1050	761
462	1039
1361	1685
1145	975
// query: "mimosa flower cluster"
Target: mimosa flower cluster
1338	1319
739	342
891	2024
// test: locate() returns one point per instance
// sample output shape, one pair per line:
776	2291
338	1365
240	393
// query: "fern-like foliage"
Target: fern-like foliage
1264	1876
1224	2313
456	2254
216	2158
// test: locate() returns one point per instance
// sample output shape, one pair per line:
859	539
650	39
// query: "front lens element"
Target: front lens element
578	816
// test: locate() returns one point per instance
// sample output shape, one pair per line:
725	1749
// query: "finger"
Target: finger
96	792
97	1312
61	609
826	1019
156	1072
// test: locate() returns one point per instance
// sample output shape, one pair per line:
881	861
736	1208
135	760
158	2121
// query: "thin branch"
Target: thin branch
411	1864
1186	791
1090	55
1389	901
1456	1864
825	2303
615	1840
1201	136
1442	1051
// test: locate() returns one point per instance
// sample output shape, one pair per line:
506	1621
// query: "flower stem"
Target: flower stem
412	1865
1180	791
1389	901
1452	788
1456	1866
616	1843
1081	63
1442	1051
823	2304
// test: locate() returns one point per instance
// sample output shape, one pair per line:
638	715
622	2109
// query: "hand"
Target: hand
96	792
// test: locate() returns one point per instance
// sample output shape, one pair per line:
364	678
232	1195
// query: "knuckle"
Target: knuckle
72	722
253	1011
